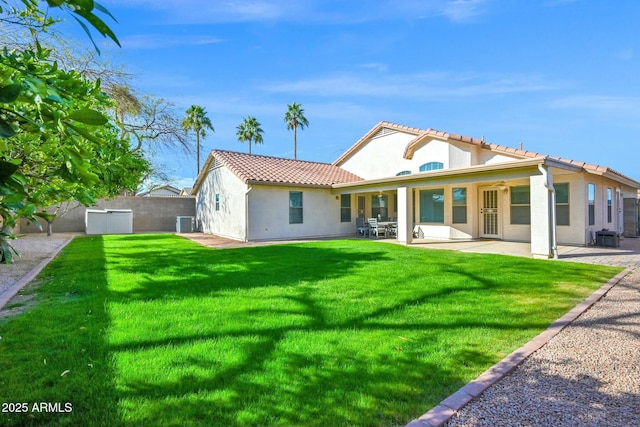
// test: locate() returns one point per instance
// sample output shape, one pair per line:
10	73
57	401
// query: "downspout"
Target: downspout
552	190
246	213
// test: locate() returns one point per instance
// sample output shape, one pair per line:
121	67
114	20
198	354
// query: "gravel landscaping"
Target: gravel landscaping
33	249
587	375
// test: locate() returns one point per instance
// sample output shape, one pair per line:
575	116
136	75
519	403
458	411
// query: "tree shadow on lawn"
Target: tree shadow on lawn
190	270
341	387
55	352
230	366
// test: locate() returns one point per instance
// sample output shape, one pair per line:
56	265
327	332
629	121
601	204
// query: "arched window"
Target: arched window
431	166
403	173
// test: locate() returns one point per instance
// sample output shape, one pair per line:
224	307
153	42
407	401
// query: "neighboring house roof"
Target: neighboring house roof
165	190
256	169
422	135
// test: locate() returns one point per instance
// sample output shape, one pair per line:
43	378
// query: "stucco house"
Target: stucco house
250	197
435	185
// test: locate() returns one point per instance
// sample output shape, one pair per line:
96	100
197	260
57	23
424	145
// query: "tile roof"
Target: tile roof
255	168
422	134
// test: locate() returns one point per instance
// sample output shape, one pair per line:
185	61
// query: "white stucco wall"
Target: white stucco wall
460	156
487	157
431	151
540	208
513	232
574	233
230	220
601	217
269	213
578	231
381	157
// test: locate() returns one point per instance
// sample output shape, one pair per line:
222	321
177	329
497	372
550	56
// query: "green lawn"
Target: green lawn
154	330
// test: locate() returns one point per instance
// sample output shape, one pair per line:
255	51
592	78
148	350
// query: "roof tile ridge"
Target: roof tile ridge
516	151
268	156
400	127
440	133
228	163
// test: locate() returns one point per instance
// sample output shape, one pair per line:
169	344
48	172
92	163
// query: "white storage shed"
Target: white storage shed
109	221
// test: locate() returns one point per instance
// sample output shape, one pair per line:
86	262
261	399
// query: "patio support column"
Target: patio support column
541	246
405	225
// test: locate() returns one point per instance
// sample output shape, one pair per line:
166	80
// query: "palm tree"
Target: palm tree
294	118
249	130
197	121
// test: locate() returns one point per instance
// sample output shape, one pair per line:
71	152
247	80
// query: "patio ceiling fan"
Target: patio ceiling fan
502	185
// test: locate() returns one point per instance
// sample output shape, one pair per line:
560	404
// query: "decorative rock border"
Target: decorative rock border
439	415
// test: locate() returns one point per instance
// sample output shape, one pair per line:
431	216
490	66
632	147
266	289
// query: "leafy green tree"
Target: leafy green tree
295	118
151	123
197	121
56	142
73	152
37	20
249	131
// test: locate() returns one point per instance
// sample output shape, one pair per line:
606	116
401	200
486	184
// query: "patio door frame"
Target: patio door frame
490	213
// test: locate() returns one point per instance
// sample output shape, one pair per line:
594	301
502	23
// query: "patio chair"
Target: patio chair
362	228
392	230
375	229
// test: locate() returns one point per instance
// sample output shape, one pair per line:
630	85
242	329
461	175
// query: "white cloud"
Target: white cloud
425	85
600	104
462	10
556	3
300	11
156	41
624	54
206	11
375	66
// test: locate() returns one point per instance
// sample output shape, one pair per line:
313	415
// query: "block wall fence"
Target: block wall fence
150	214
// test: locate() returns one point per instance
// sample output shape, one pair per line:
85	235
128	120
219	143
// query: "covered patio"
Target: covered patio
460	205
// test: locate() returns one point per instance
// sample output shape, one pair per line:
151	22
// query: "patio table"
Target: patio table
388	225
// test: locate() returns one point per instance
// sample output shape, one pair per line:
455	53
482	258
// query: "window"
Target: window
459	205
431	166
520	204
345	208
592	204
609	205
217	201
295	207
379	206
432	205
562	203
403	173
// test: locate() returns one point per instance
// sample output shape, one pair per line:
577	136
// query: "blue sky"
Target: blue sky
560	76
